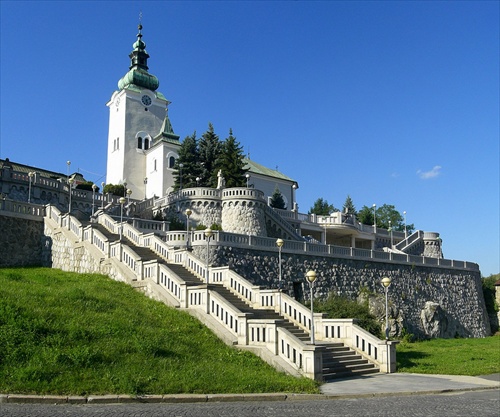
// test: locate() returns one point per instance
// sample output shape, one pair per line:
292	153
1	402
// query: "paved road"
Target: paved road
484	403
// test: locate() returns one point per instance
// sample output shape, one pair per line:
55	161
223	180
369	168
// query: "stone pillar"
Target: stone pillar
432	245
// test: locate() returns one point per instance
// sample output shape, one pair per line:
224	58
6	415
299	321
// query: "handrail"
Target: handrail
178	238
264	333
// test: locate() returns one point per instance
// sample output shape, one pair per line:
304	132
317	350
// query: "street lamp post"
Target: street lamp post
208	235
93	198
247	176
406	234
188	214
294	187
180	175
30	175
311	277
145	184
198	181
390	230
374	218
70	184
129	193
279	243
68	163
102	195
122	202
386	283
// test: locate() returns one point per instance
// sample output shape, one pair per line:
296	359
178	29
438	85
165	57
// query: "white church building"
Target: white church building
142	145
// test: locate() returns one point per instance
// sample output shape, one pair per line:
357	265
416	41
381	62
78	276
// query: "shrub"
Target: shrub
489	297
338	307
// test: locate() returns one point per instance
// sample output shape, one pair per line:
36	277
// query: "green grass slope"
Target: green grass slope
451	356
82	334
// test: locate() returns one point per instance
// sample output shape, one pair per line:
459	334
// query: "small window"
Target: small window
171	162
139	142
154	165
146	144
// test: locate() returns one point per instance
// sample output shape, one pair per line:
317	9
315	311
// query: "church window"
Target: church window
154	165
146	143
139	142
171	162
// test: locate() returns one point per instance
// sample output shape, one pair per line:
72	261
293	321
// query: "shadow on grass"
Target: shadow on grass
409	359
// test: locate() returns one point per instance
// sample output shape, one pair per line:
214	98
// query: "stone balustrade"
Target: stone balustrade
246	331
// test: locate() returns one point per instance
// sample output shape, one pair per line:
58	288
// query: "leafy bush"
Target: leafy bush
87	185
489	297
118	190
338	307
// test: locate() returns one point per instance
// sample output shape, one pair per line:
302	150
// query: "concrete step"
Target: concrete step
349	373
341	361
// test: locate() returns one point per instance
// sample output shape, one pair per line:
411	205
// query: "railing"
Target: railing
380	352
240	192
264	333
227	315
179	239
21	208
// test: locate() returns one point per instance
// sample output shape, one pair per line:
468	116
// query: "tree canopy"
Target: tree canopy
209	149
230	162
200	161
322	208
190	159
386	215
277	200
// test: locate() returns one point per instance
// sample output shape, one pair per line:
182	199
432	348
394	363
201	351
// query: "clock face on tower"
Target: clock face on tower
146	100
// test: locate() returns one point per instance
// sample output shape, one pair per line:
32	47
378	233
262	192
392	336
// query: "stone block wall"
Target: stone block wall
456	299
69	255
22	242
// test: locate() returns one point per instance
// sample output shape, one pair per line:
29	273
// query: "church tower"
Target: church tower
142	146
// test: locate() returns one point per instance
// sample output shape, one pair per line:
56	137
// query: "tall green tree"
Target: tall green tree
190	160
277	200
384	214
388	216
322	208
230	162
365	215
348	206
209	148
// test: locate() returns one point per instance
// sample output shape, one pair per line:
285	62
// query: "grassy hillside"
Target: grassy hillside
80	334
451	356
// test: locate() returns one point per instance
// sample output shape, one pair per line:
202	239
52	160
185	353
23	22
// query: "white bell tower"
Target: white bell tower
142	146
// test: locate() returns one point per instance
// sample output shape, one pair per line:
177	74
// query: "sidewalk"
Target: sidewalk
363	386
404	383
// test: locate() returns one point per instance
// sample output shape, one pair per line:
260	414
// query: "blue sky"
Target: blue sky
388	102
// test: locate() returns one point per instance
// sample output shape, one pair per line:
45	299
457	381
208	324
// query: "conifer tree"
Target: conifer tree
209	148
230	162
348	207
277	200
190	160
322	208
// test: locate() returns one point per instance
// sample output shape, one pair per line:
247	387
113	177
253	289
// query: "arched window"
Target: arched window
139	142
146	143
171	162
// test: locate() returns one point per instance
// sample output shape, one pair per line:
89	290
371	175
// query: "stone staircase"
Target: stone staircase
339	361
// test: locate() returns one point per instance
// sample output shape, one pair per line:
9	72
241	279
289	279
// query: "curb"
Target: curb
204	398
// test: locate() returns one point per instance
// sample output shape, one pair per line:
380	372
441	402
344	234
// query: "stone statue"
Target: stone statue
221	182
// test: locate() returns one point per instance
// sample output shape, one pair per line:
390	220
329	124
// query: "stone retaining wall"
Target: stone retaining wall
425	301
22	242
